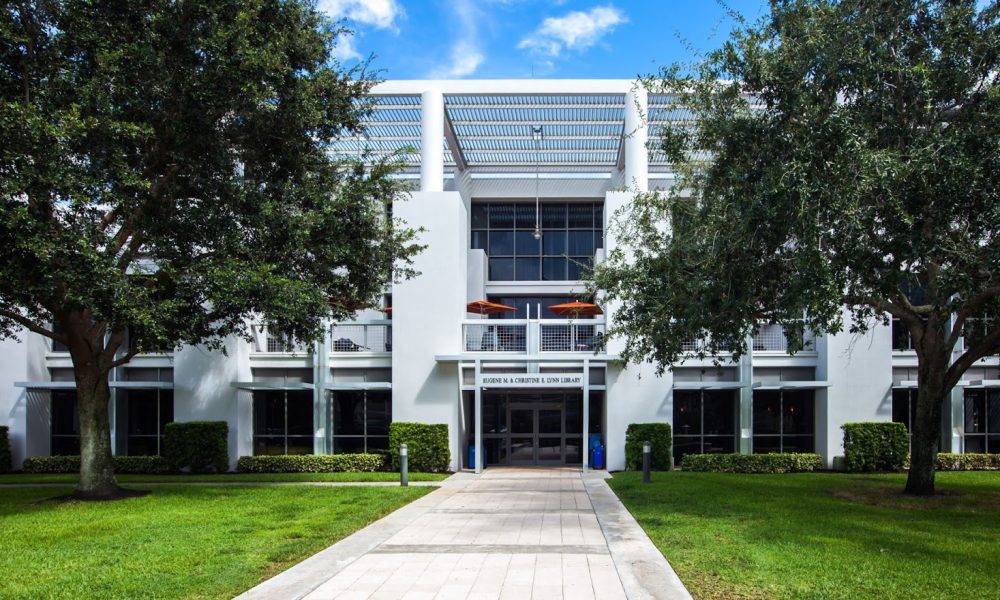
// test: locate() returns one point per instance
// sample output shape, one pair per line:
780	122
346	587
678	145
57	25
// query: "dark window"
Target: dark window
982	420
901	339
147	414
784	421
904	407
571	234
56	345
361	421
283	422
64	424
704	422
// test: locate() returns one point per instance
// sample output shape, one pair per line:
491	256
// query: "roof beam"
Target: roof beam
456	149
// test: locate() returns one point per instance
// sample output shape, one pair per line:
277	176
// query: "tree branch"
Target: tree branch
30	325
985	347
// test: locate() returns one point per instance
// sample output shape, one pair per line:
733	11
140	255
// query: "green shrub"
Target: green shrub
312	463
968	462
199	446
4	449
752	463
662	446
875	446
426	446
146	465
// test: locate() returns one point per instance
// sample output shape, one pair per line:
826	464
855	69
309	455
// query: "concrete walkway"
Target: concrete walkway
508	533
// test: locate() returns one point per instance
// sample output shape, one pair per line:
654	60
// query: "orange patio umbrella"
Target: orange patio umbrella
387	310
485	307
576	309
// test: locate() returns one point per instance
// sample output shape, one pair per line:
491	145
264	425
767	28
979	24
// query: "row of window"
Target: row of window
144	414
981	418
974	329
571	234
705	421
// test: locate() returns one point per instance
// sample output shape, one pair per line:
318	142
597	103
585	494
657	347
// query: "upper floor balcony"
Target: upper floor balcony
769	339
524	336
368	337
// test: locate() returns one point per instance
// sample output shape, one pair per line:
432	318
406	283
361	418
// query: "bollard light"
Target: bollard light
404	470
647	460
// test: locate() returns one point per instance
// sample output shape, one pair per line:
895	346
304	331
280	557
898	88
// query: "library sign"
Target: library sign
532	380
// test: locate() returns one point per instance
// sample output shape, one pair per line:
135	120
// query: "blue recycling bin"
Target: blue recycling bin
472	457
597	457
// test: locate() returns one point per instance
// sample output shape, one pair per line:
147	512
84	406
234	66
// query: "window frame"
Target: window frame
781	435
365	435
284	435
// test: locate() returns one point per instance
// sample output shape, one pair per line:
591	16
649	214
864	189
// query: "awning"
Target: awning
790	385
271	385
344	387
984	383
707	385
71	385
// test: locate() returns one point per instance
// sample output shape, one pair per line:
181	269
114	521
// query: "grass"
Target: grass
71	478
822	535
178	542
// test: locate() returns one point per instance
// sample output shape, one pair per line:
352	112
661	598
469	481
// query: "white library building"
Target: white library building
514	185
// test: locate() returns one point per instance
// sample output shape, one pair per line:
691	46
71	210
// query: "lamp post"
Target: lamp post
536	135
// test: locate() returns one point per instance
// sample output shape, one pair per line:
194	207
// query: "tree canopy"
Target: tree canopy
839	169
165	171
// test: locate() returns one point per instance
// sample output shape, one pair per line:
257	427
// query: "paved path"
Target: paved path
508	533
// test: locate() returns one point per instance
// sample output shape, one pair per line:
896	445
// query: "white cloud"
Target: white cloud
345	49
464	61
381	14
576	30
465	55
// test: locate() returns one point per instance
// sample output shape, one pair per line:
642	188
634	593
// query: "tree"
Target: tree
838	170
165	175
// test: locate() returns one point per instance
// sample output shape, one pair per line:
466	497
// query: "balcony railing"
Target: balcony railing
267	342
771	338
361	337
522	336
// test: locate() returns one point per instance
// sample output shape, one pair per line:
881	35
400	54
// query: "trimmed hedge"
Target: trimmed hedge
875	446
426	446
145	465
199	446
752	463
4	449
312	463
968	462
659	435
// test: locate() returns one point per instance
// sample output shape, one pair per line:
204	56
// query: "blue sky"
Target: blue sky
482	39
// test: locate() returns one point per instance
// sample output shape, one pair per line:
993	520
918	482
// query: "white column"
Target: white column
636	153
586	415
480	451
432	141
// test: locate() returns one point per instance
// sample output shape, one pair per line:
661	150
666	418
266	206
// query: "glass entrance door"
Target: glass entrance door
536	434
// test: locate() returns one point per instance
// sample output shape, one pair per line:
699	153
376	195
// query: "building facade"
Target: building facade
515	186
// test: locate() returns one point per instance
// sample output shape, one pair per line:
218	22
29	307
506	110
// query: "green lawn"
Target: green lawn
71	478
178	542
822	535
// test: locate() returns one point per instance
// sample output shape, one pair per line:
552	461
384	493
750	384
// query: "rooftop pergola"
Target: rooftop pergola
493	126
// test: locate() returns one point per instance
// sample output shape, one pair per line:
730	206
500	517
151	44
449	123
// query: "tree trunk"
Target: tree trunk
926	434
97	469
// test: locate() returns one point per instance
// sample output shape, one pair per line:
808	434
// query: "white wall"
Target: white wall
859	370
203	391
635	395
13	400
428	312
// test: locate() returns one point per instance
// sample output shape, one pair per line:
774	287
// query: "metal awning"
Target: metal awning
268	385
984	383
71	385
790	385
708	385
343	387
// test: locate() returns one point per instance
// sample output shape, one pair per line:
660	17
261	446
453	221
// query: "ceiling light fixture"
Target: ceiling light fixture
536	135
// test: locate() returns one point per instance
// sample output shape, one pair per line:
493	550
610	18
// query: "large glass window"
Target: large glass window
784	421
283	422
571	233
704	422
147	414
982	420
904	407
361	421
64	424
534	303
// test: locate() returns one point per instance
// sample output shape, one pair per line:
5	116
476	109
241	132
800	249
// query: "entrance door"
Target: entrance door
536	434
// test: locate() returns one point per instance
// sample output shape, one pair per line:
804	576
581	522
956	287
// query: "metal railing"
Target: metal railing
570	337
267	342
495	336
771	338
361	337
